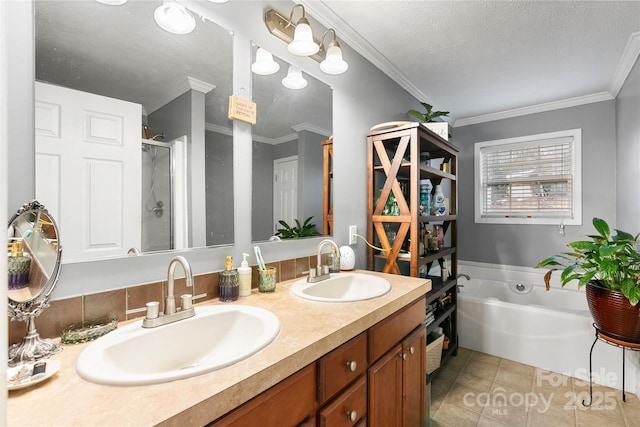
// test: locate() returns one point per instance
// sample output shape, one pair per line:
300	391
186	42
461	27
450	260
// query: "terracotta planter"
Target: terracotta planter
613	314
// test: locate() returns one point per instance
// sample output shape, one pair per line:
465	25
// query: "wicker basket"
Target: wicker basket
434	354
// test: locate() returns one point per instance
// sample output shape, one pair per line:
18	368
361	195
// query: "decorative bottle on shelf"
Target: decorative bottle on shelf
228	279
438	206
425	197
18	266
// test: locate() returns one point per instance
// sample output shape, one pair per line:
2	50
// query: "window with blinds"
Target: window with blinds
534	179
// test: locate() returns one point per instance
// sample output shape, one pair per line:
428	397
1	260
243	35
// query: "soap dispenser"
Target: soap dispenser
228	281
244	277
18	266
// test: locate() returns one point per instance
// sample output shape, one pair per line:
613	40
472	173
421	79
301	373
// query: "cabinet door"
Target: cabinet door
414	350
291	402
385	390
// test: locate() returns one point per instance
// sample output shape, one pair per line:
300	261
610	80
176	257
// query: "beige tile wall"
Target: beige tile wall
129	303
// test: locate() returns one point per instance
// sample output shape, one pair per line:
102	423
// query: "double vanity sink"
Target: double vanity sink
216	337
195	370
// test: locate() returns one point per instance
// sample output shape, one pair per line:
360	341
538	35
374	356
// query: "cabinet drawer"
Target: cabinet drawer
390	331
341	366
348	408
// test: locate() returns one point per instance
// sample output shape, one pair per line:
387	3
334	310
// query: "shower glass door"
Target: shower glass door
157	168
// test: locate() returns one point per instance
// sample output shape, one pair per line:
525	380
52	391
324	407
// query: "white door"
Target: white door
91	144
285	190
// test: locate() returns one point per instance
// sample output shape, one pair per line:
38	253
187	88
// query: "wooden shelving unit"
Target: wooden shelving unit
394	169
327	204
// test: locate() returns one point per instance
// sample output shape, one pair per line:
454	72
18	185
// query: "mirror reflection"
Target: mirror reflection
156	178
293	120
32	253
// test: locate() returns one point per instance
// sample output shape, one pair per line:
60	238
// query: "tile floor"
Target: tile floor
477	389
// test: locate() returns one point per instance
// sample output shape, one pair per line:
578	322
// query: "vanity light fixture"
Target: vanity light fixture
173	17
298	36
264	63
333	62
330	60
302	43
294	79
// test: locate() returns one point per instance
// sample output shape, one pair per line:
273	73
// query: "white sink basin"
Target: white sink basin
342	287
216	337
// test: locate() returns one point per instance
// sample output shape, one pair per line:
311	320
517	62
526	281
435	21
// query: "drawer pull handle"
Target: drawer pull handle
404	356
412	350
352	415
352	366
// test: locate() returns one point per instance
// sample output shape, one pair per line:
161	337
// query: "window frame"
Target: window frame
576	219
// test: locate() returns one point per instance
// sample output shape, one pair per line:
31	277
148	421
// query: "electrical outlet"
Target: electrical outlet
353	230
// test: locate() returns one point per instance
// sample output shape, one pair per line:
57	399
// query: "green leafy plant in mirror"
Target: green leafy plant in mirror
610	261
428	115
306	229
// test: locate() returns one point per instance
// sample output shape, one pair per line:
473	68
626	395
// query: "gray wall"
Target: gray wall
310	177
219	188
628	154
262	190
525	245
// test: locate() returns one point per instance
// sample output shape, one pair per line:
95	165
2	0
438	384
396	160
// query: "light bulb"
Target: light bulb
333	63
174	17
294	79
264	63
303	44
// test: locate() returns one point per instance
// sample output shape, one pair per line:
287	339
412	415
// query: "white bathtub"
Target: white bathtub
549	330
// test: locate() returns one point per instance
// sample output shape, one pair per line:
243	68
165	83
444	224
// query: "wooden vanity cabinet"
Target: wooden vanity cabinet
397	378
374	379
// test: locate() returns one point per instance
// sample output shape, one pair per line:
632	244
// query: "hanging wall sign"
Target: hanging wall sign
242	109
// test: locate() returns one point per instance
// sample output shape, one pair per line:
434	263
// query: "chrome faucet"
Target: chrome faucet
154	318
322	271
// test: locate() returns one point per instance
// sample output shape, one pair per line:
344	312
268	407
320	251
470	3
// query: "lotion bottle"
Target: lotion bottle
244	277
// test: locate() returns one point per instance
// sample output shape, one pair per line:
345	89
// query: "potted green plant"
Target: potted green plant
306	229
609	266
441	128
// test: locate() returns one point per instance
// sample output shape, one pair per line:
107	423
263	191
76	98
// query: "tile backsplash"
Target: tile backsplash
129	303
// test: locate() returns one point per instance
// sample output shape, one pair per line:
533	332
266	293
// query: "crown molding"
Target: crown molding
311	128
218	129
625	65
533	109
200	85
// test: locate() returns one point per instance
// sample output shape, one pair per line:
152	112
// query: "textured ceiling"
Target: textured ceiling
475	58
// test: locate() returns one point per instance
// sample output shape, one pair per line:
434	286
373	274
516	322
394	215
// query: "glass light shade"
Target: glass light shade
112	2
333	63
302	43
174	18
294	79
264	63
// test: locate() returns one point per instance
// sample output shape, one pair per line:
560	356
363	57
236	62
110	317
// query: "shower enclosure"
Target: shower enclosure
157	193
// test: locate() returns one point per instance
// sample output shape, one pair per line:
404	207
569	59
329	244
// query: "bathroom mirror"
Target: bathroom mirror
287	143
182	83
33	266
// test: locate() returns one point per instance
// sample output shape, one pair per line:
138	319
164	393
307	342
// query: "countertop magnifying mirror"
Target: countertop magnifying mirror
34	255
292	122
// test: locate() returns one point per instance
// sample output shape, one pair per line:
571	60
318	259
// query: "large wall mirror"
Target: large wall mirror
292	122
178	167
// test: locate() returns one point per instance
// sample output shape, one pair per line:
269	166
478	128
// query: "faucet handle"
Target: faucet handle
153	309
186	301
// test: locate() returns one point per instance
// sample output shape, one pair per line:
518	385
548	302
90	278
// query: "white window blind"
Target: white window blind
532	179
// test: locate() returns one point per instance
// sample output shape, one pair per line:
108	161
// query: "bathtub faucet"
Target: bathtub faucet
466	276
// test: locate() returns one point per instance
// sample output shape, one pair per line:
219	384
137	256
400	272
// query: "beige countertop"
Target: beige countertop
308	331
